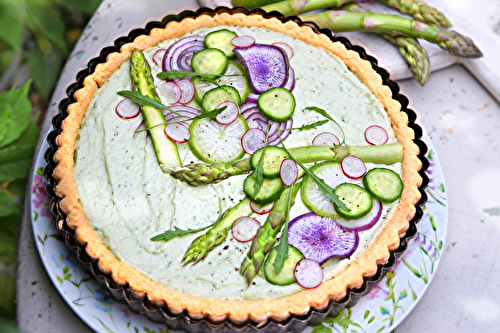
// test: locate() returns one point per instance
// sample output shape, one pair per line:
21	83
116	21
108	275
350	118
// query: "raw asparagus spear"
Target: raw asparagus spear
252	3
294	7
202	174
341	20
420	11
266	235
415	55
166	150
202	245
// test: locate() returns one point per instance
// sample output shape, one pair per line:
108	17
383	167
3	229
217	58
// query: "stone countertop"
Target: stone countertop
461	118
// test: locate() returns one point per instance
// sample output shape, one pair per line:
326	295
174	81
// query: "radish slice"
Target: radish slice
177	132
366	222
308	273
171	91
229	115
376	135
288	172
287	48
353	167
321	238
252	140
245	228
127	109
261	209
326	139
158	56
187	91
243	41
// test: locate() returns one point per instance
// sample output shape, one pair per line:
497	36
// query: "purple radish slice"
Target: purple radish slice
183	48
376	135
243	41
127	109
158	56
287	48
177	132
366	222
187	89
308	273
321	238
244	229
326	139
288	172
171	91
252	140
261	209
229	115
353	167
266	66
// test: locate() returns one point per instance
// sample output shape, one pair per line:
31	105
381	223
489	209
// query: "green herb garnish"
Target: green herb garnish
175	74
306	127
140	99
327	116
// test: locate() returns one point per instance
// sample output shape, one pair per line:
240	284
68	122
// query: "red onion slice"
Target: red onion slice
366	222
376	135
353	167
171	91
308	273
252	140
158	56
182	48
177	132
287	48
245	228
229	115
127	109
326	139
252	97
187	89
288	172
243	41
290	83
261	209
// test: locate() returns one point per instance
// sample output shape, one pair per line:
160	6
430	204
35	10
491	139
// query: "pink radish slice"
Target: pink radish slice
229	115
261	209
376	135
287	48
308	273
187	91
177	132
171	91
243	41
245	228
366	222
353	167
288	172
127	109
252	140
326	139
158	56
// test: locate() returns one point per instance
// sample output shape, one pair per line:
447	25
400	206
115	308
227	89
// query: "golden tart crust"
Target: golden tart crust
237	312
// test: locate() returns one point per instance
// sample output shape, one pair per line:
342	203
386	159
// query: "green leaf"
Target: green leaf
311	126
39	171
372	319
17	187
142	100
381	329
20	108
45	67
11	25
403	294
6	57
65	270
59	279
9	205
367	313
67	277
210	114
384	311
327	116
169	234
7	296
5	115
87	6
321	329
57	237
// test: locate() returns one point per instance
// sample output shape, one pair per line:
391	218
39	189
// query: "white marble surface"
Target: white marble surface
463	120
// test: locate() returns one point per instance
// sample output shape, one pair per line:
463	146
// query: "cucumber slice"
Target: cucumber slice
236	78
212	142
384	184
221	39
356	198
313	198
286	276
277	104
209	61
270	190
215	97
273	157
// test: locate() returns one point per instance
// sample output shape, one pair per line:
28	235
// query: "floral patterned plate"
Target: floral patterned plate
381	310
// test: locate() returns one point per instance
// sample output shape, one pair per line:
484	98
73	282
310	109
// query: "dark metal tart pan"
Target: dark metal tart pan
183	321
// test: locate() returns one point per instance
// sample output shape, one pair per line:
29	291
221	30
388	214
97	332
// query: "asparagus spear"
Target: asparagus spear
202	245
339	21
252	3
166	150
294	7
415	55
202	174
266	235
420	11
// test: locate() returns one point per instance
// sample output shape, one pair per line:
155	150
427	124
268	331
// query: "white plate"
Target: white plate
387	304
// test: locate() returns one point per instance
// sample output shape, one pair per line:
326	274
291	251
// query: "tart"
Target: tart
116	196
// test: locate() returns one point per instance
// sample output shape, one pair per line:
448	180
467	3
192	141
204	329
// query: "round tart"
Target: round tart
116	195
